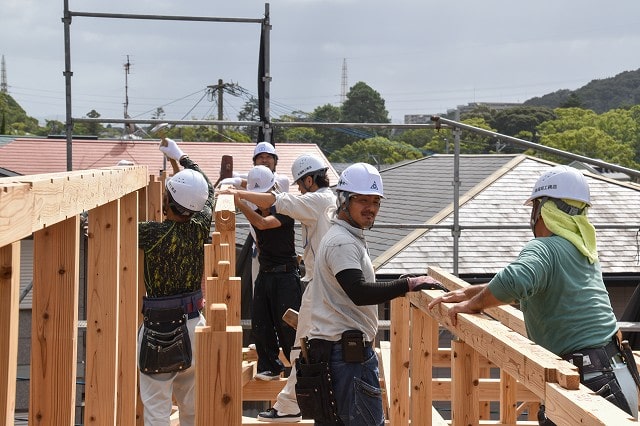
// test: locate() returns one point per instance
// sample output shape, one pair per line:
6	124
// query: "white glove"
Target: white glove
171	149
235	181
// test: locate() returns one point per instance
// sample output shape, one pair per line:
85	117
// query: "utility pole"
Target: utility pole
220	88
344	84
4	88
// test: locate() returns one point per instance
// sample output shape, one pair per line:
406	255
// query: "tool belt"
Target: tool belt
192	303
314	391
595	360
600	361
279	269
166	346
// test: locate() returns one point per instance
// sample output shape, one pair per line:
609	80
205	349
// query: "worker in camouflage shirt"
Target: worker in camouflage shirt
173	268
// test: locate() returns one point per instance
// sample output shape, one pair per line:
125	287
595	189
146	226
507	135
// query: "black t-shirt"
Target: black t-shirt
276	246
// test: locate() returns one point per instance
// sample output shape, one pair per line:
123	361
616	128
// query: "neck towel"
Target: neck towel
577	229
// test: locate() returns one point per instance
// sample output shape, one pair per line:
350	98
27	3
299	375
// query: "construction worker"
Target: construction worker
264	154
343	318
173	268
277	286
558	282
314	208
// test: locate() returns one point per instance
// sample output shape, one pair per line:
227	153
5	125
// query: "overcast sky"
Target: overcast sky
422	56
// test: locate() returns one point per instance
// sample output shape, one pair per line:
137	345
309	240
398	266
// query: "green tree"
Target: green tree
375	151
250	112
364	105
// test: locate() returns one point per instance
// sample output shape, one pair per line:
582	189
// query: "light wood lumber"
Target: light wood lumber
103	301
128	312
464	378
526	362
9	318
30	203
54	327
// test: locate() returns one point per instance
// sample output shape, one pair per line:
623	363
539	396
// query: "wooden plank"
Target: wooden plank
385	373
508	398
507	315
54	327
225	223
9	324
260	390
102	314
218	371
128	311
399	407
582	407
489	390
420	393
16	211
464	377
54	197
528	363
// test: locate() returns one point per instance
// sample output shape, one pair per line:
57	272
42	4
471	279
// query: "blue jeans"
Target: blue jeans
356	387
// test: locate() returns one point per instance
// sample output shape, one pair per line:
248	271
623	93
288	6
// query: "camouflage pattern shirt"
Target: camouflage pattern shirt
174	251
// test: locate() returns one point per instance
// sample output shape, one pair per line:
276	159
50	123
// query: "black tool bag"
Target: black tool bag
314	390
165	346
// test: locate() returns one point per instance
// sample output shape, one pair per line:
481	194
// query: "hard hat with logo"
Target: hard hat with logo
188	191
264	148
561	182
260	179
361	178
306	164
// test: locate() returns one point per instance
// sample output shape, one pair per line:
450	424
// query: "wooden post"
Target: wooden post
9	319
218	370
508	401
54	328
225	223
421	392
128	311
399	408
102	314
464	386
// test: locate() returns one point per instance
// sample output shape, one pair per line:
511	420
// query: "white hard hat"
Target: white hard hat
189	190
260	179
561	182
266	148
306	164
360	178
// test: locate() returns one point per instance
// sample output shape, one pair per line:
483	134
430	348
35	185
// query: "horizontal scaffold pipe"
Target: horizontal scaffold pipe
172	122
536	146
165	17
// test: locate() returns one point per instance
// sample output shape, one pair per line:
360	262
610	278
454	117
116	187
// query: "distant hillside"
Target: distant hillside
620	91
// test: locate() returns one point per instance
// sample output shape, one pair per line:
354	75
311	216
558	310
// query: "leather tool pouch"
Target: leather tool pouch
165	346
353	346
315	393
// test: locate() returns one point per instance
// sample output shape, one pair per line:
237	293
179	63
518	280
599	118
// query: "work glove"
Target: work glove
235	181
425	282
170	148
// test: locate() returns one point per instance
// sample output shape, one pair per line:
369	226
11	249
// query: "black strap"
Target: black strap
631	362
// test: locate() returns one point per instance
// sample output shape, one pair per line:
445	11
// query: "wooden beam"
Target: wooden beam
528	363
399	375
464	378
54	327
9	324
30	203
582	407
103	302
507	315
128	311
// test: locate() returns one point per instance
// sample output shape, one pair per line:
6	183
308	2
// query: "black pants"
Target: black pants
274	293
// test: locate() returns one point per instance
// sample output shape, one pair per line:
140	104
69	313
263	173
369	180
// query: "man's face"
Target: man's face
265	159
364	209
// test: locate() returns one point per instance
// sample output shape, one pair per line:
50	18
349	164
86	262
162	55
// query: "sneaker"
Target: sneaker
252	346
267	375
271	415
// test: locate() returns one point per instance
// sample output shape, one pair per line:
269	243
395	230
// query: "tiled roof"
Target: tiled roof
498	206
418	190
28	156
